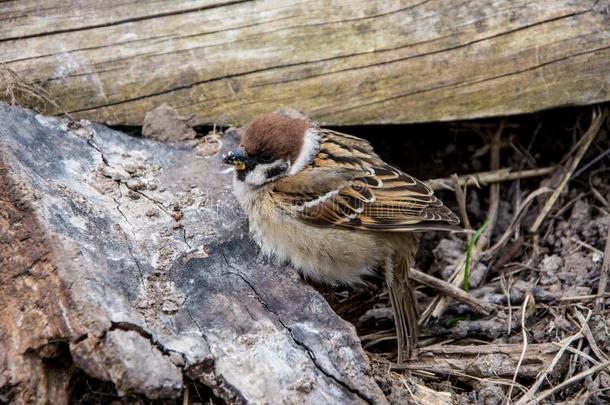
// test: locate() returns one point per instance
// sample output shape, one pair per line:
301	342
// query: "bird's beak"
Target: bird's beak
237	159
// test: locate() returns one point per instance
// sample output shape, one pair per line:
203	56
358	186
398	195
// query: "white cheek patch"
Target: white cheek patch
258	175
311	147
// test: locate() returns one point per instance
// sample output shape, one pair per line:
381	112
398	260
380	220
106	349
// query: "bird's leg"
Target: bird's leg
398	322
403	305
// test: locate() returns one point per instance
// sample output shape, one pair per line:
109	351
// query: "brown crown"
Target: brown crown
275	134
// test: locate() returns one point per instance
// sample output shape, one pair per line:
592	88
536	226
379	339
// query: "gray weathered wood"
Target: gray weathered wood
128	259
341	61
486	361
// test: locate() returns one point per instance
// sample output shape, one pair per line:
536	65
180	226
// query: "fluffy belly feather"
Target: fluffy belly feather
333	256
328	255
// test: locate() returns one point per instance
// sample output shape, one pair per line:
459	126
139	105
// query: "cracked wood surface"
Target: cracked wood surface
486	361
128	260
340	62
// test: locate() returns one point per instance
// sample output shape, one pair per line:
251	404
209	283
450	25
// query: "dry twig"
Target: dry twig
452	291
460	197
505	284
586	331
596	194
186	395
577	377
527	397
481	361
488	177
524	350
15	90
516	220
580	353
583	144
603	278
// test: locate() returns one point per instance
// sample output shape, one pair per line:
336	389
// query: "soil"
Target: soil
558	267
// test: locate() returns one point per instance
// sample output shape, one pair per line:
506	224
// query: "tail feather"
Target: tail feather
403	305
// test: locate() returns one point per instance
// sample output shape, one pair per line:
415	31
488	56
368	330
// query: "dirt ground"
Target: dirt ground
541	268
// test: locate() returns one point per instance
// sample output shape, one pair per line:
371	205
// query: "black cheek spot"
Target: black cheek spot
241	175
275	171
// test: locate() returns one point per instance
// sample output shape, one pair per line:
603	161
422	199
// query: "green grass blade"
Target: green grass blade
469	248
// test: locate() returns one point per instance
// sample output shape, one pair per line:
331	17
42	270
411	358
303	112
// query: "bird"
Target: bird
326	203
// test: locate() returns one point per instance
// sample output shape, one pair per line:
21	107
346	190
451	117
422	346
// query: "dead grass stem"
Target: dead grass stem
529	395
16	90
597	118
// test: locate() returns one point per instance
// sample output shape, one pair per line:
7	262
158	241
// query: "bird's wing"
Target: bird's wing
349	143
349	188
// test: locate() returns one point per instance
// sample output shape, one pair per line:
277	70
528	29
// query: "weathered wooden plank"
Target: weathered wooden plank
30	18
341	62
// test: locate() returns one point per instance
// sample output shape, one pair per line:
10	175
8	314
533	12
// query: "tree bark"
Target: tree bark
127	260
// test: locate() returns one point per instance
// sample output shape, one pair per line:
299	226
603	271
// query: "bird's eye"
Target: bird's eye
265	157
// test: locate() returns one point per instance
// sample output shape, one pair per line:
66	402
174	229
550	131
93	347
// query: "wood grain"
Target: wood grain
341	62
486	361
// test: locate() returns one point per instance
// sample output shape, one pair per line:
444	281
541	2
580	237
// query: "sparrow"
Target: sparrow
325	202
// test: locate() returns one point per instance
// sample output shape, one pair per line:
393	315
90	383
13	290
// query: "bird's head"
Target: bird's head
273	146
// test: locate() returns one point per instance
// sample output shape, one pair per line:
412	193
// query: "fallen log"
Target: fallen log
126	260
343	62
485	361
